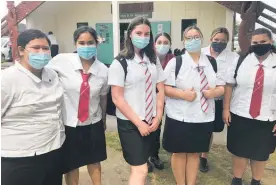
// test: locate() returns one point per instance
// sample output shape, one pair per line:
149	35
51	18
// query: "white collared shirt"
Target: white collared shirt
224	60
134	84
242	92
31	119
52	39
68	66
189	77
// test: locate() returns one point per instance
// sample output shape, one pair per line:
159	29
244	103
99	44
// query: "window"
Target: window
185	23
80	24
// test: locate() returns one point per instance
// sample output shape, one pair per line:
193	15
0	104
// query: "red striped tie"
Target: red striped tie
203	86
83	112
149	96
256	99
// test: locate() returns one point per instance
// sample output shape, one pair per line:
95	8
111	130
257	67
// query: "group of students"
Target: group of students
53	115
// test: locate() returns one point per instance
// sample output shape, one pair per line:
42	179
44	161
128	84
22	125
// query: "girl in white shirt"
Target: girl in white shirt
139	106
190	107
32	130
84	80
225	58
250	108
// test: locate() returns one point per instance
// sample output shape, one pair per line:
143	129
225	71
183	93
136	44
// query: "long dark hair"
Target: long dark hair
261	31
128	51
165	35
85	29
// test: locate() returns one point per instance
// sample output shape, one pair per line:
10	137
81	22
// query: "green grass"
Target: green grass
113	141
220	162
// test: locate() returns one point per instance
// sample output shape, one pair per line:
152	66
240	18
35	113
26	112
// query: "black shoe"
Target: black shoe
157	162
204	168
255	182
150	166
236	181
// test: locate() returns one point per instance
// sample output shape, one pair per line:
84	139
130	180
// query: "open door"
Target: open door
105	49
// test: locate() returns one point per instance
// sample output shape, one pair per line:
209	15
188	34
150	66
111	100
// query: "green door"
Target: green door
105	49
161	26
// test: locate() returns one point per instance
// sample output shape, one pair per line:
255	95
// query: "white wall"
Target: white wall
65	16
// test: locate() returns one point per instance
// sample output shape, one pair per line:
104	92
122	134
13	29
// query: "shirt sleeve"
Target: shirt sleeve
116	74
105	88
160	72
6	96
230	72
170	73
220	79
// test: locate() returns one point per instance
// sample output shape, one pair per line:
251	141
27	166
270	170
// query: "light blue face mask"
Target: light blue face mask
87	52
162	49
140	42
39	60
193	46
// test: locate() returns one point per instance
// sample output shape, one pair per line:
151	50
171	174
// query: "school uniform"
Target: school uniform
250	132
136	149
32	129
158	131
168	57
85	143
188	128
224	60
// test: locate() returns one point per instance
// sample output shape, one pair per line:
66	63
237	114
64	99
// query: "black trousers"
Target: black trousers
36	170
54	50
156	147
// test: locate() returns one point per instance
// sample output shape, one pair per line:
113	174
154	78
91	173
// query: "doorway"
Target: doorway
123	29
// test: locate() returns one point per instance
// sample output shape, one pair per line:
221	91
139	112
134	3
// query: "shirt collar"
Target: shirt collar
202	60
265	63
44	76
138	60
76	62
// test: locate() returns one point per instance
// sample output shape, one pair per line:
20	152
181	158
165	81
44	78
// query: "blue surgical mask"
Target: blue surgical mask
193	46
140	42
39	60
87	52
162	49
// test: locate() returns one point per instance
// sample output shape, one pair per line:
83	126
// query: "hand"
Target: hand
227	117
189	95
208	93
274	129
144	129
154	124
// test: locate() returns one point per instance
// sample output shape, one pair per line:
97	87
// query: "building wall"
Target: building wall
63	22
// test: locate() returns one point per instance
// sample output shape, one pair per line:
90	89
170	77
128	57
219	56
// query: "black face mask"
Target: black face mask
260	49
218	47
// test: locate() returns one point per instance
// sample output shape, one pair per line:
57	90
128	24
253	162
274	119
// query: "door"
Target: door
105	49
161	26
123	34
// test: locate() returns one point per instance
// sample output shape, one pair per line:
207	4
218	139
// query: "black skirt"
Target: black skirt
250	138
218	123
136	148
182	137
83	145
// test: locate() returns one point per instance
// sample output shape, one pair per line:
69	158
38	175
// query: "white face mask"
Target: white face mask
162	49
